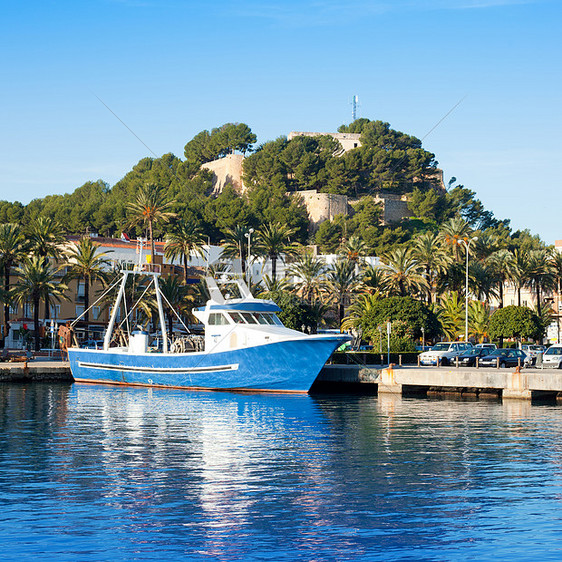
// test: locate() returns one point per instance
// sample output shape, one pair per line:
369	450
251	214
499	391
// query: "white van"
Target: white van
444	352
552	357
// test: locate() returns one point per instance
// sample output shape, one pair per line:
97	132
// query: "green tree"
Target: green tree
501	267
235	245
46	237
403	273
12	250
273	242
184	239
341	282
451	314
37	280
149	209
479	319
416	315
310	273
515	322
85	262
429	253
177	296
539	274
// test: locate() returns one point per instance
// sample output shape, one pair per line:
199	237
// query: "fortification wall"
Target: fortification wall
322	206
395	207
227	170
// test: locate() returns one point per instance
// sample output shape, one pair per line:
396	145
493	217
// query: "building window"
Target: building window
79	309
27	310
55	311
96	312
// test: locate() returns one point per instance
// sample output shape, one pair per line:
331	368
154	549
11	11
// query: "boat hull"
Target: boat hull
286	366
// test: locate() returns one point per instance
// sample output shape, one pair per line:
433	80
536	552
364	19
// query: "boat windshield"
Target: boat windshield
217	319
254	318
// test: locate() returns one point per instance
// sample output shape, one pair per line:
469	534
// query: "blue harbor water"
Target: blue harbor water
102	473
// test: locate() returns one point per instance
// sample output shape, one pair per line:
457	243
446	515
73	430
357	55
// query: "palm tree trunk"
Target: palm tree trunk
501	294
6	305
185	268
152	252
519	295
36	324
538	288
87	304
273	267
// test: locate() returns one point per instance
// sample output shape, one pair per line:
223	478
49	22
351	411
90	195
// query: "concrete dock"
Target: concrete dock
35	371
524	384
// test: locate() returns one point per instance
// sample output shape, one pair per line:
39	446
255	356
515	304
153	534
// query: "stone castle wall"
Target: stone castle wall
322	206
348	141
227	170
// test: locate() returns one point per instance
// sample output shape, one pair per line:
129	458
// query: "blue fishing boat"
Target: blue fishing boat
245	348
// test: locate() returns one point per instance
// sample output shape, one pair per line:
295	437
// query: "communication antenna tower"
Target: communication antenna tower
354	106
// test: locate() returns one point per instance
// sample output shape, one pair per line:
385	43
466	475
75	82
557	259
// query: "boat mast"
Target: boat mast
109	331
161	314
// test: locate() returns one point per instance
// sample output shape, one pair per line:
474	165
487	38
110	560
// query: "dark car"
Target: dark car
468	357
506	357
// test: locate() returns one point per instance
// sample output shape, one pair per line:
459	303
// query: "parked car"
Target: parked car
552	357
444	353
468	358
92	344
532	350
489	346
506	357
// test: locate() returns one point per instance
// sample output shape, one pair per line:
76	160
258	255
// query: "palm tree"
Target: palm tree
86	263
310	272
234	245
453	232
185	239
46	237
354	249
519	271
429	252
500	264
12	249
177	295
556	263
341	281
273	241
403	273
451	315
482	282
479	314
37	280
149	209
372	280
539	274
363	305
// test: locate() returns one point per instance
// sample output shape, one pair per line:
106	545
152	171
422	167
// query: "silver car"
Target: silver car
552	357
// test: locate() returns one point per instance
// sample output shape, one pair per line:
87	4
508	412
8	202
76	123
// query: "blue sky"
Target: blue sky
171	68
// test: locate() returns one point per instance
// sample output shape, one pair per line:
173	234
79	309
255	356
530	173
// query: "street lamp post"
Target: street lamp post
248	235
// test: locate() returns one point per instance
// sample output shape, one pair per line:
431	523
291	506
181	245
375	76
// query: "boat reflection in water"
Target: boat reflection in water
94	472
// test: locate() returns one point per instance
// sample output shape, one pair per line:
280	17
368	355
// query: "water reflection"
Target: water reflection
103	473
